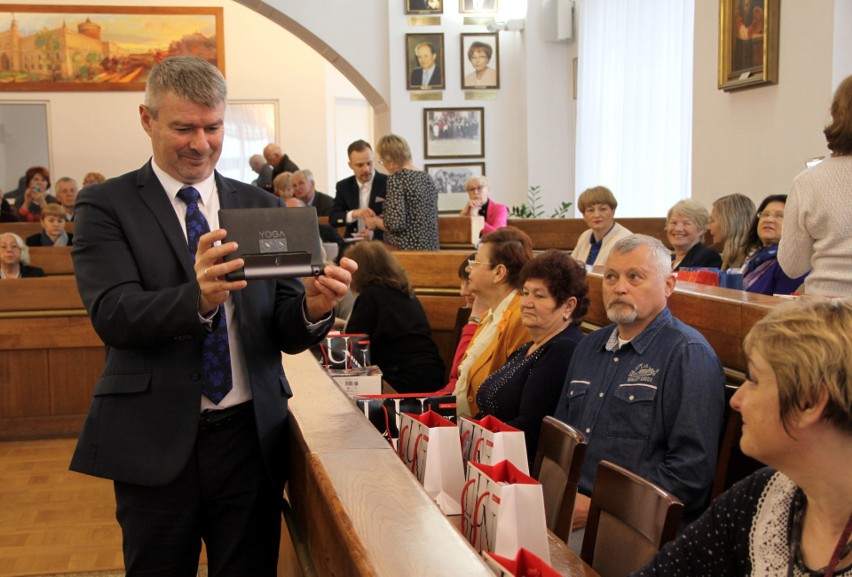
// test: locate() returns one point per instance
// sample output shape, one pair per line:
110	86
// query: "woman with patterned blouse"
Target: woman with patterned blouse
553	303
410	218
794	519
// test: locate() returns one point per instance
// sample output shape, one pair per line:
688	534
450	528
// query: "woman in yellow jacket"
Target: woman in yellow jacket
494	278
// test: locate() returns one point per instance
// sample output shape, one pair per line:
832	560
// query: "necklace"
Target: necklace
841	550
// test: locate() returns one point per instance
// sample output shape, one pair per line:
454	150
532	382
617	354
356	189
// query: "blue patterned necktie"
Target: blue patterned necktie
216	364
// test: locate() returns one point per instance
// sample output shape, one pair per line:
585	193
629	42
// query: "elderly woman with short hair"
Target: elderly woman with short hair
15	258
685	227
794	518
598	204
479	204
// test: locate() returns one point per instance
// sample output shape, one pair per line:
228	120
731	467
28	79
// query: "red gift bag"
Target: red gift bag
525	564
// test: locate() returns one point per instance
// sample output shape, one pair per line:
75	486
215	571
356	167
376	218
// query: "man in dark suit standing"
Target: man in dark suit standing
360	196
429	74
189	415
305	189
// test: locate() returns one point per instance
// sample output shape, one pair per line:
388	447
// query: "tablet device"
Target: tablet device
274	242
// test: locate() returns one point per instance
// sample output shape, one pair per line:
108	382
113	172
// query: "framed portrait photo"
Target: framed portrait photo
424	6
480	61
450	179
748	43
478	6
454	132
425	61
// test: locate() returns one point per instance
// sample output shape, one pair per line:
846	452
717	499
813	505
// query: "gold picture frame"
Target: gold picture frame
748	43
71	48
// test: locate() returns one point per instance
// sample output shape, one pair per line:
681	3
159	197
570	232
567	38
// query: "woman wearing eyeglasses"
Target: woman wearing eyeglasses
495	277
478	204
761	271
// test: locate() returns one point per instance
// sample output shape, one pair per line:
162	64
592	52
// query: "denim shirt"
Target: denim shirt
653	406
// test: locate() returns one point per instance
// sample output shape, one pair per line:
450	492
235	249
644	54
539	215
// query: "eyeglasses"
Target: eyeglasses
475	188
472	262
766	214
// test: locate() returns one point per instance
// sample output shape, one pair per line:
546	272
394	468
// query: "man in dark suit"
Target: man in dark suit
305	189
195	454
429	74
360	196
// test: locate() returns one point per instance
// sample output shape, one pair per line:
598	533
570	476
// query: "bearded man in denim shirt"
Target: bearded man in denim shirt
648	391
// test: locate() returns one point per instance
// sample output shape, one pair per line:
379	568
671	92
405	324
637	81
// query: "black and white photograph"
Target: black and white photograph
450	179
454	132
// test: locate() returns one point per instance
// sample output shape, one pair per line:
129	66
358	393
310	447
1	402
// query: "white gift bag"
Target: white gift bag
490	441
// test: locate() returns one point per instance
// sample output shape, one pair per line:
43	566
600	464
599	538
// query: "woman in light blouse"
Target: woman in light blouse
598	206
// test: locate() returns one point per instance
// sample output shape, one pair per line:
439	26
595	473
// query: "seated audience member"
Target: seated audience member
328	234
554	300
66	194
477	311
279	161
93	178
360	196
598	206
7	213
263	170
495	278
795	517
304	188
15	196
281	186
818	228
36	196
761	271
52	228
478	204
648	391
15	258
730	219
387	310
685	228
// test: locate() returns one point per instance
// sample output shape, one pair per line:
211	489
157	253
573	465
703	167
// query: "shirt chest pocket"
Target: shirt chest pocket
576	396
632	411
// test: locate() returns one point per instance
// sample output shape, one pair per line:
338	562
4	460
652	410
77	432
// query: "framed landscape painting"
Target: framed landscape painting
53	47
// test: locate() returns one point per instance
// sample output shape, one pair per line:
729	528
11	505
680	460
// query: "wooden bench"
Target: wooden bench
51	358
25	229
54	260
562	233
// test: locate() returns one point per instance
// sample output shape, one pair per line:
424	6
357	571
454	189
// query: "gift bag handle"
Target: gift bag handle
474	455
464	503
476	523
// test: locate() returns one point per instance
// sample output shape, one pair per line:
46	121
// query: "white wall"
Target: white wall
755	141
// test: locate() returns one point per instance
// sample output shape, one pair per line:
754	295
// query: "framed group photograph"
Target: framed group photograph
748	43
54	48
451	179
454	132
478	6
424	6
425	61
480	61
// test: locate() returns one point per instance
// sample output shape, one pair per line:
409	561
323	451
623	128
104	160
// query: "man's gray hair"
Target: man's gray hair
66	179
188	77
661	256
309	176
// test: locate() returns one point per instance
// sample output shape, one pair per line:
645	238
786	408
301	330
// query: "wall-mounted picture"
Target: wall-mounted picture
451	179
424	6
51	47
480	61
477	6
748	43
425	61
454	132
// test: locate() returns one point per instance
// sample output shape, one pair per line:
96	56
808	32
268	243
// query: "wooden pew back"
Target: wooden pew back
55	260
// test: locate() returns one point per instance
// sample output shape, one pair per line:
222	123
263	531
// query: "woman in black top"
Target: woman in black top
387	310
685	227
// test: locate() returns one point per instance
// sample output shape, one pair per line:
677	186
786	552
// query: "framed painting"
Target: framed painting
480	61
55	48
424	6
478	6
454	132
748	43
451	179
424	60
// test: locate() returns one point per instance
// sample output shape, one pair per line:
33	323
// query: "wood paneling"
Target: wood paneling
54	260
39	294
24	384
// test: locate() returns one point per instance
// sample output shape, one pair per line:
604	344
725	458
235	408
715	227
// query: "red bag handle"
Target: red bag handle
474	454
464	501
476	514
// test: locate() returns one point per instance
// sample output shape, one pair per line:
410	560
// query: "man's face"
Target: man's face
425	56
361	163
634	291
66	193
186	137
302	189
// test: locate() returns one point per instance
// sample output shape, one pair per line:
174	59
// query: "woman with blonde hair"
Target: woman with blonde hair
730	220
387	310
480	204
685	227
794	518
410	219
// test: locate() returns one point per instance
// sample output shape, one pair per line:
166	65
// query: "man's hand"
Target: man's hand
363	213
581	511
324	292
210	271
